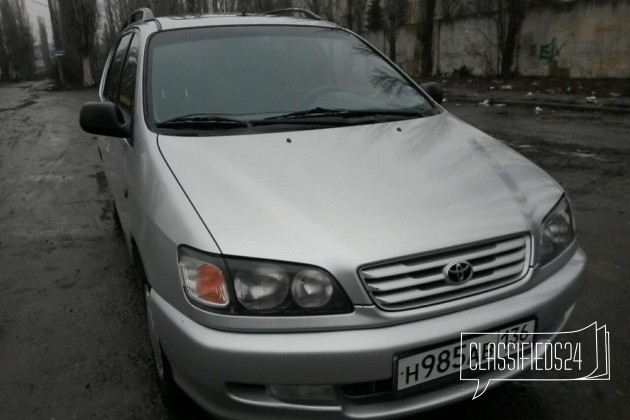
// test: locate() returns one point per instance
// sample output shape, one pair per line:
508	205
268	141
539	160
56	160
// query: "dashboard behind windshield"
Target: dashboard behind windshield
257	72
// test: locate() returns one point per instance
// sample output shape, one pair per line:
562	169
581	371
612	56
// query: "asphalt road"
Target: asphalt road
73	341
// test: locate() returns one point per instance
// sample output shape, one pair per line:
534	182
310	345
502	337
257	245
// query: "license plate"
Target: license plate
432	364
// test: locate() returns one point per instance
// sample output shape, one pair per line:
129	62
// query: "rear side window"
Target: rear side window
113	74
127	90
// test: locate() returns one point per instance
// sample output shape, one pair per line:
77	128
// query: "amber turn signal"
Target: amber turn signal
211	286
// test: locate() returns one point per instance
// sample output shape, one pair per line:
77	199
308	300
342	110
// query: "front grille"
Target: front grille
419	281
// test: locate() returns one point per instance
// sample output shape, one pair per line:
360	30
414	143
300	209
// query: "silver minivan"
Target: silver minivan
313	231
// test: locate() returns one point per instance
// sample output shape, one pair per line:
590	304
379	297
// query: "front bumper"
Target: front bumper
226	372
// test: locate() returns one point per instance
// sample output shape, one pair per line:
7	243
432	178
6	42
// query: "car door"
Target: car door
120	89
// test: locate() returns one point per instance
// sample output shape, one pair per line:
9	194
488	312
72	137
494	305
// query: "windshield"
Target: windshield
255	73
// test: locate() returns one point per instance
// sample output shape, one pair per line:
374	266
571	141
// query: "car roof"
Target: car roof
190	21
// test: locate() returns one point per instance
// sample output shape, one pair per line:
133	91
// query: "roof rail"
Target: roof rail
142	14
295	12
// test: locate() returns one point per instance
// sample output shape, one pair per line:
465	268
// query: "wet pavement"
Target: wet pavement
73	341
72	322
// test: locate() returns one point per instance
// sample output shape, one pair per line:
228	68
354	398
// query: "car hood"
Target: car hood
342	197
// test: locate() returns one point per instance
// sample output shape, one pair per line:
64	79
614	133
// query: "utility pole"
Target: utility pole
57	39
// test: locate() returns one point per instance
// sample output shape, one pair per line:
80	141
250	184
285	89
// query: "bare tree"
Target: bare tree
507	16
80	23
53	8
44	48
395	17
166	7
449	9
323	8
375	17
17	47
514	15
486	50
425	35
56	24
257	6
4	55
357	11
112	23
349	15
116	13
225	6
195	6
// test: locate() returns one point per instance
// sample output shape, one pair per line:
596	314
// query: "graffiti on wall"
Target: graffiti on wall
550	51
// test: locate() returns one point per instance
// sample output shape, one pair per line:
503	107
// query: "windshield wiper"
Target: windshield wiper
316	116
343	113
314	112
204	120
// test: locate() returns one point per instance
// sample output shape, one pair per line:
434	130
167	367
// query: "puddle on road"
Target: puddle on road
578	153
40	179
107	206
107	210
49	178
583	155
28	102
101	181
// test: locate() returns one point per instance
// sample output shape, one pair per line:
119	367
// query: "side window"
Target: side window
113	74
127	89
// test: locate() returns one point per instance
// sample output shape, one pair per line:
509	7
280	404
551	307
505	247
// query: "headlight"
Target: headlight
262	287
311	288
258	287
558	231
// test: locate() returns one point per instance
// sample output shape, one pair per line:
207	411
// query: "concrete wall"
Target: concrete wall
407	48
466	42
570	38
585	39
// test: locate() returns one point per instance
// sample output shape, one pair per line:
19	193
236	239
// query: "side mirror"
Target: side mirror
434	90
103	118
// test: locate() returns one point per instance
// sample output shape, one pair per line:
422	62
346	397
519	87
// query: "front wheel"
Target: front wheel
165	375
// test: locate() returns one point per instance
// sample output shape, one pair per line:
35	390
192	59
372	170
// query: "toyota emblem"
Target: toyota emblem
458	272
